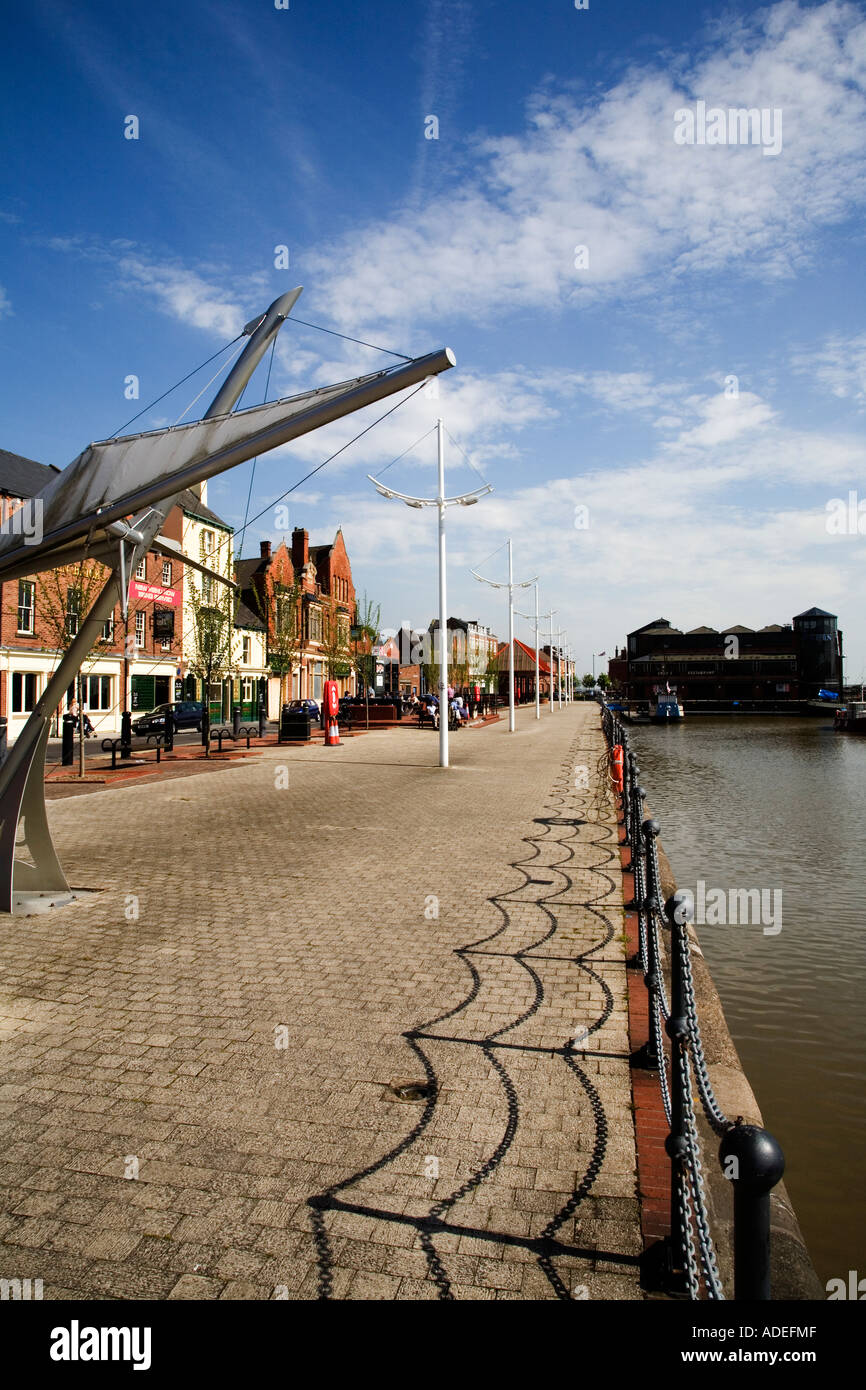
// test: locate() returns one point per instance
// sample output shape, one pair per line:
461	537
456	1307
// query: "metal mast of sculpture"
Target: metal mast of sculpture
86	514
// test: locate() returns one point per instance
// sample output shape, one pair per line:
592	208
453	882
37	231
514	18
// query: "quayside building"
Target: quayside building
774	669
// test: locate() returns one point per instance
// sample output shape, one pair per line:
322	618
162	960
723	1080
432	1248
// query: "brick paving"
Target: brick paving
197	1060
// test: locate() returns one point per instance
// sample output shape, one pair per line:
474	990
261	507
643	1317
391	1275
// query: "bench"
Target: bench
111	745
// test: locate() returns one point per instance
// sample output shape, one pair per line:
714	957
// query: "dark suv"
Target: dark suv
186	713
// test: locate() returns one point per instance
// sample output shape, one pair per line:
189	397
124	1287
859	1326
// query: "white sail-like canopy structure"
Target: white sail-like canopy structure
112	479
109	505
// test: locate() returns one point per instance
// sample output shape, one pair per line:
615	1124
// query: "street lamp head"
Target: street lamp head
409	503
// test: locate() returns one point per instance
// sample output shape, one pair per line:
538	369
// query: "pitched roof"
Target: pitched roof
521	650
814	613
701	631
245	569
192	503
23	477
245	617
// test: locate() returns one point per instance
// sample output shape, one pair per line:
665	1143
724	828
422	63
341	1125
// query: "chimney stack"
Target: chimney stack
265	547
300	548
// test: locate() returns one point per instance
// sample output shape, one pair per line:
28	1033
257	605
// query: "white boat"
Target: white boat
666	708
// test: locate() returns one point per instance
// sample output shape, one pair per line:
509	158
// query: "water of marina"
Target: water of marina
778	803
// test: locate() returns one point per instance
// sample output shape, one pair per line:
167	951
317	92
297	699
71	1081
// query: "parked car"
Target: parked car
304	707
187	714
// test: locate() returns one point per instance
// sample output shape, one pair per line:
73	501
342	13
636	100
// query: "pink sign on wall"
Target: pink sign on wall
153	593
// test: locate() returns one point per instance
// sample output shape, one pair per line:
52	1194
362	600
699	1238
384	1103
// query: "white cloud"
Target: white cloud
609	175
184	294
839	366
6	310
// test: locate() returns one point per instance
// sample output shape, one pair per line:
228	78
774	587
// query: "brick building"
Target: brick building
325	600
35	611
775	667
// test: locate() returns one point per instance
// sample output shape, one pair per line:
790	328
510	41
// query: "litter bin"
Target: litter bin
294	724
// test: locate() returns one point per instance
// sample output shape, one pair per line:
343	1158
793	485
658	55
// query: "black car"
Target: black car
187	714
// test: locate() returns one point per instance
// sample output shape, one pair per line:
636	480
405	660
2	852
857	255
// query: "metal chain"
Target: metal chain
660	1054
691	1263
716	1117
712	1278
663	997
700	1263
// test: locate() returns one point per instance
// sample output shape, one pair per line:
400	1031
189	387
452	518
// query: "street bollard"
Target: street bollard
236	720
263	719
4	747
754	1161
67	748
126	734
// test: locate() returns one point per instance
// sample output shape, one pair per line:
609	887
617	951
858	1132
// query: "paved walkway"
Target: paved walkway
361	1036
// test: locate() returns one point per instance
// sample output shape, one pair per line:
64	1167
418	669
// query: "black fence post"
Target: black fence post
126	734
754	1162
236	720
67	753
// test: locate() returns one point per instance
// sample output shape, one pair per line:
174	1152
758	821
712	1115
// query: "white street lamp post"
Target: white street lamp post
537	654
440	501
510	586
550	682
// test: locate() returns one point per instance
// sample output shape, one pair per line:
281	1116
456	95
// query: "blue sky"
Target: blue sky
697	383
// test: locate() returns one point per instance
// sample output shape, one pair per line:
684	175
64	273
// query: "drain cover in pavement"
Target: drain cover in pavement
410	1090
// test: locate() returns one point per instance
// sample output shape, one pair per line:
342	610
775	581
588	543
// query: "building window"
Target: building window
97	692
26	605
108	630
24	691
165	644
207	542
73	611
141	568
247	690
166	571
245	651
317	680
139	628
314	624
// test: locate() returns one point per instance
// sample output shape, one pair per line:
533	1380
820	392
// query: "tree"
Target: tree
279	607
604	680
62	598
458	658
211	631
364	637
336	650
589	680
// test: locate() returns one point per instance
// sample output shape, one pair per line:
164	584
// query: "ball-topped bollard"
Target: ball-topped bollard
753	1161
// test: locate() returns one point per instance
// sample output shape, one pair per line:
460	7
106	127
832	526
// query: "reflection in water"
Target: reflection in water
779	804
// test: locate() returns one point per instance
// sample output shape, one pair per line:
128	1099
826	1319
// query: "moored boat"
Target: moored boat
852	719
666	708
